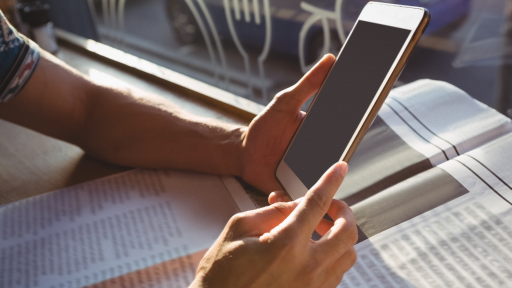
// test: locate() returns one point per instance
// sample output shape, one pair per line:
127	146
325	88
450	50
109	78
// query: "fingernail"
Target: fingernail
343	167
273	194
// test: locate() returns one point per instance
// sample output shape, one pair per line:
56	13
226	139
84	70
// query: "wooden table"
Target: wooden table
32	163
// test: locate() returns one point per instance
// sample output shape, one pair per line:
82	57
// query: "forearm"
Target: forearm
128	128
122	126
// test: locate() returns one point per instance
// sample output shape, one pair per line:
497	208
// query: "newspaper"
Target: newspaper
100	230
447	227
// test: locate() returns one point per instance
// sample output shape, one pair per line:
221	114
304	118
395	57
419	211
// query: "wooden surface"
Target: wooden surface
32	164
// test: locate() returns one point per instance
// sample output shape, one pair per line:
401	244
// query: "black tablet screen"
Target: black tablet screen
345	97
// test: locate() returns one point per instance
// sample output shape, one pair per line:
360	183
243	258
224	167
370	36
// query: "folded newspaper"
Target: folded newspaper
430	186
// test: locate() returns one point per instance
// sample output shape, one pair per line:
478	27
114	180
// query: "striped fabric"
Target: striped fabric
18	59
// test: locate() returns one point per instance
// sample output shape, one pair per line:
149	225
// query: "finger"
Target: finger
278	196
334	208
310	211
259	221
324	226
343	234
293	97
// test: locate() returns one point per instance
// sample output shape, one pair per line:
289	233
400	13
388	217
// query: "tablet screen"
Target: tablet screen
347	93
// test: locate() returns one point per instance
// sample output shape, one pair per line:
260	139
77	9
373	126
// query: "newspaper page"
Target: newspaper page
421	125
96	231
458	232
440	120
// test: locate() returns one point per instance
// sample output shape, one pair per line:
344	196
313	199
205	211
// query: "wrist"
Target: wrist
237	150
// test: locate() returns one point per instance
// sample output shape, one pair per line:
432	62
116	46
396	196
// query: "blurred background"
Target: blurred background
256	48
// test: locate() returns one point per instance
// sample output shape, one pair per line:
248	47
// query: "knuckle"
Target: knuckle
339	276
338	205
314	264
287	237
283	208
237	220
343	205
353	257
284	95
314	268
282	244
349	259
349	232
352	235
349	226
355	232
320	201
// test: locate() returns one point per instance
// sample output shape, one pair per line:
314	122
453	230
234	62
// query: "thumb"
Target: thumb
293	97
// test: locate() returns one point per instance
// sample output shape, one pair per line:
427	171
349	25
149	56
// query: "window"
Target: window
255	48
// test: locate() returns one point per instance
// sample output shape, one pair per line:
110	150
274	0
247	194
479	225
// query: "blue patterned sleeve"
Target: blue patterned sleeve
18	60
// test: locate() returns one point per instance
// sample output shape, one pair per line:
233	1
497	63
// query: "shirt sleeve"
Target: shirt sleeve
18	60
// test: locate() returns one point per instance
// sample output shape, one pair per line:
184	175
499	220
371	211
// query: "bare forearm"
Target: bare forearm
122	126
148	131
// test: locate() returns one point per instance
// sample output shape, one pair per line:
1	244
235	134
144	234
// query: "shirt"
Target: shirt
18	60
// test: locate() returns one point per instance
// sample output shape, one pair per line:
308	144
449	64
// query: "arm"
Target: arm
117	126
143	130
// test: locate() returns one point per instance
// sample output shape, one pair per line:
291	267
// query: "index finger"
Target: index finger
317	201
